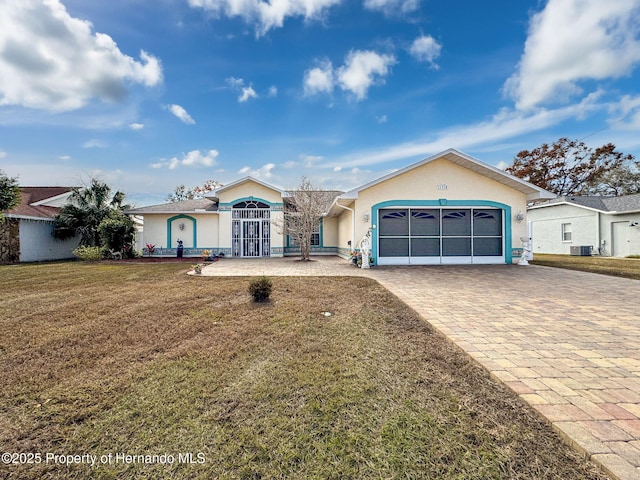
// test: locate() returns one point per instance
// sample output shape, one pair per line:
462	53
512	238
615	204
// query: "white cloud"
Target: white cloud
382	119
52	61
194	158
136	126
181	113
311	161
506	124
266	15
319	79
264	172
393	7
247	93
3	154
362	69
426	49
64	158
574	40
273	91
235	82
94	143
626	114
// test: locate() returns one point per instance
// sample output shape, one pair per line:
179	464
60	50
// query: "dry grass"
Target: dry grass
144	360
618	267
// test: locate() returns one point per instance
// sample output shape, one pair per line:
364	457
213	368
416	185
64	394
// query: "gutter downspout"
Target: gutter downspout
353	223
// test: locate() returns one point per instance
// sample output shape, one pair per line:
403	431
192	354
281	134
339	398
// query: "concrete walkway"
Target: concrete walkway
567	342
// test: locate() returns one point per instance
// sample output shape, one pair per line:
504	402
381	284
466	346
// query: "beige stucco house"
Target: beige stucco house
449	208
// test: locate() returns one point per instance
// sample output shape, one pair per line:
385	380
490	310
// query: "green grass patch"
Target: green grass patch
143	360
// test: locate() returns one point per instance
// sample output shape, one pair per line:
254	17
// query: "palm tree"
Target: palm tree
88	207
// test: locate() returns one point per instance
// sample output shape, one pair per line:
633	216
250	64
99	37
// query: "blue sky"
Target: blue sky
147	95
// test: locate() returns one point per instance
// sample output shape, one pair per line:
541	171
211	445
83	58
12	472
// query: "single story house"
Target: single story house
602	225
26	235
447	208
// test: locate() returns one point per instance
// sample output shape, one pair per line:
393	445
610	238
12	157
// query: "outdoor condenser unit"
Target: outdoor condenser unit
582	250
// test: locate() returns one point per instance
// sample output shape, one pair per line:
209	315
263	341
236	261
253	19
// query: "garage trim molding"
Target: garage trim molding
508	255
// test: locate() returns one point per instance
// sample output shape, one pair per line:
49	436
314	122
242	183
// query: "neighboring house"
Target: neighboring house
448	208
26	235
609	225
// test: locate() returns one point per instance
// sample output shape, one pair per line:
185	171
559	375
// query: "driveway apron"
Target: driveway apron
567	342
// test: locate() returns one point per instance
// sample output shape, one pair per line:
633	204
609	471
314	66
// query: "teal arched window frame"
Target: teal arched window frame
179	217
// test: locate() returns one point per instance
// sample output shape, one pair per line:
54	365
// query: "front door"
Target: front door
251	238
250	229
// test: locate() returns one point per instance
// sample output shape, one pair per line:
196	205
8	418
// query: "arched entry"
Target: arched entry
251	229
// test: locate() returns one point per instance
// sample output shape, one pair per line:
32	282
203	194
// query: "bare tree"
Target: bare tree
570	167
304	207
182	193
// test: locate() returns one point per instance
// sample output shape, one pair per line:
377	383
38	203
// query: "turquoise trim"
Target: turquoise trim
187	217
250	199
508	253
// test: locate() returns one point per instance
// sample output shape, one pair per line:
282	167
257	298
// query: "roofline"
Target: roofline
353	194
141	211
244	180
565	202
49	199
28	217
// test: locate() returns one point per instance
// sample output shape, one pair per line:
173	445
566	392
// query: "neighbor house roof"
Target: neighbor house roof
532	191
33	202
612	205
199	205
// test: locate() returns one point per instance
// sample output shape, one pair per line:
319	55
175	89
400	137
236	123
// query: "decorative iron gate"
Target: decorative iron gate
250	229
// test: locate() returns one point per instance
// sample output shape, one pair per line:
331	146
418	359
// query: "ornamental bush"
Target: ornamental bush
260	289
89	254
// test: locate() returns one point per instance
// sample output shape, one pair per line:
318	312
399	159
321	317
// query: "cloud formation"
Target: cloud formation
194	158
181	113
393	7
246	92
572	41
361	70
264	172
136	126
52	61
426	49
266	15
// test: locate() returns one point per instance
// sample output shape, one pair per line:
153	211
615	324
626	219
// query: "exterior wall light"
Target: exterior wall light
519	217
181	226
365	217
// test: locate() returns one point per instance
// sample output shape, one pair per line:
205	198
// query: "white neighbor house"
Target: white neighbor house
447	208
28	228
610	225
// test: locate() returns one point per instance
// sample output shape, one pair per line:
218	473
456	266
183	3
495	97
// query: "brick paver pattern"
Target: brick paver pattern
567	342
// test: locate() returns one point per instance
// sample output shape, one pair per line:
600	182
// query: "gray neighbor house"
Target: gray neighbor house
583	225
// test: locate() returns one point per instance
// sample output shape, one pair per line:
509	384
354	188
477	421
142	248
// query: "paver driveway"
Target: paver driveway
567	342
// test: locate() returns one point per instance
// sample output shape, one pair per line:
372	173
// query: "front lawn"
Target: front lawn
157	374
619	267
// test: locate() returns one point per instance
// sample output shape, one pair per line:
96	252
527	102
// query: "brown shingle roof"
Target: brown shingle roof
31	195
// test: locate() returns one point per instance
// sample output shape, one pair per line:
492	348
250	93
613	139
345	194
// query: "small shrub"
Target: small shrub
260	289
88	254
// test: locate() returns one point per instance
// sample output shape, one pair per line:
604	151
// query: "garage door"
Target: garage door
440	235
